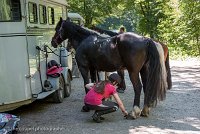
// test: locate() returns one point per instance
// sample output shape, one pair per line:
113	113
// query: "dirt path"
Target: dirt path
178	114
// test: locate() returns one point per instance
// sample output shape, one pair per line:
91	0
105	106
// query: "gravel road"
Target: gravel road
178	114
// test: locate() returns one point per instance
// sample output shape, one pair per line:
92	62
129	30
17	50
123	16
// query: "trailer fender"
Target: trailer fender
65	72
54	83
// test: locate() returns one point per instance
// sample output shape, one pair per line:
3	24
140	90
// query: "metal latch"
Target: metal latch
28	76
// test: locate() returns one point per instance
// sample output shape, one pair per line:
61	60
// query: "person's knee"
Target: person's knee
115	108
116	105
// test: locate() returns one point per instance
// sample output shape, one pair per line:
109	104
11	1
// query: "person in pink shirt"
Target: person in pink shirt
95	98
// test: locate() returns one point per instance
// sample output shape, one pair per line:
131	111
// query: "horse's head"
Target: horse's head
63	30
56	39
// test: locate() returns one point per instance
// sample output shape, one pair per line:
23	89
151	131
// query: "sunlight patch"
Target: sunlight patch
195	122
155	130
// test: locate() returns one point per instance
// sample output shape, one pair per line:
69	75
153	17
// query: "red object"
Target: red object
94	98
54	70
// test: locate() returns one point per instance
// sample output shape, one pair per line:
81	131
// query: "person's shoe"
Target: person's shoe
85	109
96	118
102	118
120	90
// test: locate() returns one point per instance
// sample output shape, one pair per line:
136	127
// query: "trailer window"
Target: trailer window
58	13
10	10
51	16
32	7
43	15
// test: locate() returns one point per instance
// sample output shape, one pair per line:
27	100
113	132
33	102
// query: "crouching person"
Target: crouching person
95	98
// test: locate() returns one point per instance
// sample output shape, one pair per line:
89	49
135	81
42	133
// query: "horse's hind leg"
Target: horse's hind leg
169	79
143	73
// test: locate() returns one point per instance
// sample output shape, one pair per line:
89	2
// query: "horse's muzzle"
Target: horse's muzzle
54	44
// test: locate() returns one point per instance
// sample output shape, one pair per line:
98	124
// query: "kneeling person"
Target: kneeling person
95	98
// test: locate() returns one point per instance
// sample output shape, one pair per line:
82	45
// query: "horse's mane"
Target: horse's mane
86	31
103	31
79	32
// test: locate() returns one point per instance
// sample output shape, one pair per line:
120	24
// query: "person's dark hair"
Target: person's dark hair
115	77
122	28
99	87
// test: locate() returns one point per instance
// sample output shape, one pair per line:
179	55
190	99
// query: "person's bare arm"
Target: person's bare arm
120	103
89	85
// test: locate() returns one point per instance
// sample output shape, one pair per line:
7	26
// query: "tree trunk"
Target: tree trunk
198	44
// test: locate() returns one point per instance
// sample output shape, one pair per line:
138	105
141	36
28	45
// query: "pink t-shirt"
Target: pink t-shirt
94	98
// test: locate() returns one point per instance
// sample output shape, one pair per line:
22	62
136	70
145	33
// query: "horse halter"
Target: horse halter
57	39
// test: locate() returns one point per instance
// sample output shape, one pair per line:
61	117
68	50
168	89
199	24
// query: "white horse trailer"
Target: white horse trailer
76	18
26	29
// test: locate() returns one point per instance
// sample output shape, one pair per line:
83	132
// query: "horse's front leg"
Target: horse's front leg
134	77
93	75
84	72
122	85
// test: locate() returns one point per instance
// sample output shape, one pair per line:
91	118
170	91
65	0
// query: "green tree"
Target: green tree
176	22
191	19
126	19
149	14
93	11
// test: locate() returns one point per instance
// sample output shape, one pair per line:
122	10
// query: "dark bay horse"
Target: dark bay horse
165	49
94	74
128	51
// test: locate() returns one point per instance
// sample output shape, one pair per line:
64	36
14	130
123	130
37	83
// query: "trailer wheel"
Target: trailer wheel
68	86
58	95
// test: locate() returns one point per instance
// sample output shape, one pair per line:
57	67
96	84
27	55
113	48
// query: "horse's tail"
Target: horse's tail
169	78
156	85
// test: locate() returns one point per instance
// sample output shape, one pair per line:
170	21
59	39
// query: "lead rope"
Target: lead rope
51	51
46	56
39	49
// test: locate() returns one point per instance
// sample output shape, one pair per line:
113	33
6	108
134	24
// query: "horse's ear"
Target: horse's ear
61	19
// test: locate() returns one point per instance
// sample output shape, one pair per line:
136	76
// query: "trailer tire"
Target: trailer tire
68	87
58	95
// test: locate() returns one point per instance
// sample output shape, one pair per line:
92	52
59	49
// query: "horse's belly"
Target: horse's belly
108	67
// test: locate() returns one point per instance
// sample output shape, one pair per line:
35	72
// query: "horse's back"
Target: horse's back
132	40
132	49
99	53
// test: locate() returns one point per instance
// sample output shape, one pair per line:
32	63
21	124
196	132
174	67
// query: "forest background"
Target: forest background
174	22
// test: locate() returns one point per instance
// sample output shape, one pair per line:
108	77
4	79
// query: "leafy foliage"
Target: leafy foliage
174	22
93	10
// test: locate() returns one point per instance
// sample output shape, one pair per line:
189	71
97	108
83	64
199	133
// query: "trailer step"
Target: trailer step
44	94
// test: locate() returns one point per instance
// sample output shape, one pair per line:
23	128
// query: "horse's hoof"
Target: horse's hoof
145	111
135	113
129	116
